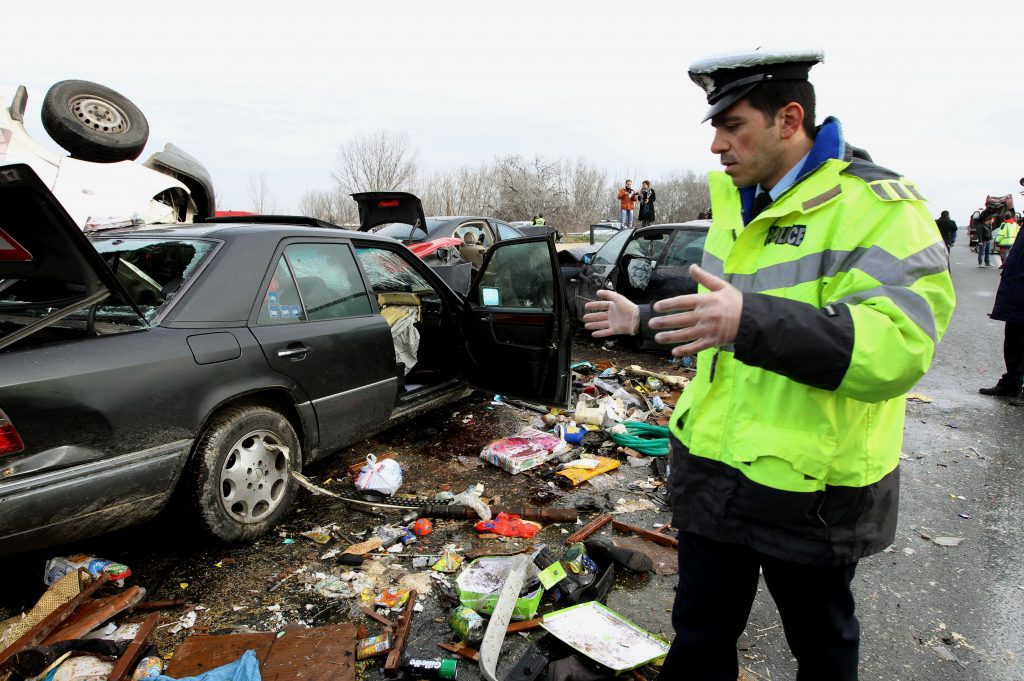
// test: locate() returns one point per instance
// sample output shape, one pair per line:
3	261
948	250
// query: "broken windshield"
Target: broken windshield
152	271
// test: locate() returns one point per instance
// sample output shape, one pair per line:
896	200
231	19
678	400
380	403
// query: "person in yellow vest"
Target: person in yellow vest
822	295
539	220
1004	238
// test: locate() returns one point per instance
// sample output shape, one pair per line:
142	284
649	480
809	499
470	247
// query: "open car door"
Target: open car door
516	325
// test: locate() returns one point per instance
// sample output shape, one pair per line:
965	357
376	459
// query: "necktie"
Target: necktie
761	201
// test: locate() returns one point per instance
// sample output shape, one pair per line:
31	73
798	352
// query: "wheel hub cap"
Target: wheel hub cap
254	477
99	114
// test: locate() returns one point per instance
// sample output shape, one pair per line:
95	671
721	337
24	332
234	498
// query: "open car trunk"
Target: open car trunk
48	268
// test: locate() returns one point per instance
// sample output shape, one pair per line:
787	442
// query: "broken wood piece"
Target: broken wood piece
528	625
94	613
676	381
462	651
646	534
401	633
589	529
319	654
150	606
374	615
662	529
36	634
130	659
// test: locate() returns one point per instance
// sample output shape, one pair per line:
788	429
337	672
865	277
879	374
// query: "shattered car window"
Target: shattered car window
390	273
687	249
328	280
151	271
519	276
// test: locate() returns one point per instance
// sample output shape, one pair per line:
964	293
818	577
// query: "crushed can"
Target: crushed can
468	624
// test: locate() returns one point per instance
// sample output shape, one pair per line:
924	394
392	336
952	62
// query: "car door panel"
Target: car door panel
515	323
346	365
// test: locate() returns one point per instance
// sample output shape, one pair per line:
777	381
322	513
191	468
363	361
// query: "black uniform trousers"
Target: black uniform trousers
1013	355
717	585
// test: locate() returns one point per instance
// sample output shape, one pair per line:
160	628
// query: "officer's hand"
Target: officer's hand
706	320
613	314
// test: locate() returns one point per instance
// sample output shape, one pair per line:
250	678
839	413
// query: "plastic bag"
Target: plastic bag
471	498
509	526
383	477
62	565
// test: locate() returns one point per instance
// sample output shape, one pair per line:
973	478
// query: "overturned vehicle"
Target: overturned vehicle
99	183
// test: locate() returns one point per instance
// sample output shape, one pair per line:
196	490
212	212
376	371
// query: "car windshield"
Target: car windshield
406	232
150	270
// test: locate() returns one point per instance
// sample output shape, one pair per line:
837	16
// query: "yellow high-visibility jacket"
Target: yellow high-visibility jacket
846	293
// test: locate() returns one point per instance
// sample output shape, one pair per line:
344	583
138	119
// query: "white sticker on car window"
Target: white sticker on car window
490	296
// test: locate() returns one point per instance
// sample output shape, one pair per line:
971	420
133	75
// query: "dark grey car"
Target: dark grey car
212	360
645	264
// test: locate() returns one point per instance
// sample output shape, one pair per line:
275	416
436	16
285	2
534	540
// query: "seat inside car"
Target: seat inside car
471	251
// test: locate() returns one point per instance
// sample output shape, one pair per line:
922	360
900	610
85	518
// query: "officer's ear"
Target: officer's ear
790	119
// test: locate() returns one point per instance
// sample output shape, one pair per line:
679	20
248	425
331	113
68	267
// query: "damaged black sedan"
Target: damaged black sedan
209	361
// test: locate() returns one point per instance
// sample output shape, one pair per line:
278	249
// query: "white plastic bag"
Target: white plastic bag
471	498
383	477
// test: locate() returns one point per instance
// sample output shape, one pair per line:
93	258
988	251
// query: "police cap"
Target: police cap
728	78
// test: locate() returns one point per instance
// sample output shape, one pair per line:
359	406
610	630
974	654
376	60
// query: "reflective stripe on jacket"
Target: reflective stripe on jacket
849	254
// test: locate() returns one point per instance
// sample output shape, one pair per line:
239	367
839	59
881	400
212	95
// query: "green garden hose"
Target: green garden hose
645	438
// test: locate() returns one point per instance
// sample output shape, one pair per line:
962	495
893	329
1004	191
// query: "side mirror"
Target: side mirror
588	259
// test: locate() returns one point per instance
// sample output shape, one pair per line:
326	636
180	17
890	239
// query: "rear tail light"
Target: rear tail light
10	441
388	203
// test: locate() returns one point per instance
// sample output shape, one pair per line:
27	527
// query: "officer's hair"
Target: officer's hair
769	97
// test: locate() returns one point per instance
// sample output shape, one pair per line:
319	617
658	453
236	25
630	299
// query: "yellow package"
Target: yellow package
579	475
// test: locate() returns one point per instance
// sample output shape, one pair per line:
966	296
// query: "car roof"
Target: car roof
232	230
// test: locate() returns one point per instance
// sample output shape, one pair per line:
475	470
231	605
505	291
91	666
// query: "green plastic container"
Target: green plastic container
480	585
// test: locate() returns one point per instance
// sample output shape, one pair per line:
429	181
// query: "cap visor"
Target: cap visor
727	100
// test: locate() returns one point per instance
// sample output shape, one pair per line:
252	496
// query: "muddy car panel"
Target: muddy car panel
175	324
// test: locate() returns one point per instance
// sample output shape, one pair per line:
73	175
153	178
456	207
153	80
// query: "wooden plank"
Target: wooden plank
528	625
93	613
646	534
36	634
318	654
325	653
589	529
462	651
200	653
130	659
401	633
374	615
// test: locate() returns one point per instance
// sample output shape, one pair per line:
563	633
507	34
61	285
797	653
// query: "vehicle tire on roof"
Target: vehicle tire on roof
93	122
240	476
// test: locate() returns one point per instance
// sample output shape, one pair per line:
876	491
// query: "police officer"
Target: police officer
822	294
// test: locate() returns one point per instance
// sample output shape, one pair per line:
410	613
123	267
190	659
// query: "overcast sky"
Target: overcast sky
274	88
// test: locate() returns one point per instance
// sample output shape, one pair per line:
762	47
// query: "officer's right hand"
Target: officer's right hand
612	315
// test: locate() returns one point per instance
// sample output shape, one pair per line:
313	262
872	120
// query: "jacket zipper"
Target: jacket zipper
714	363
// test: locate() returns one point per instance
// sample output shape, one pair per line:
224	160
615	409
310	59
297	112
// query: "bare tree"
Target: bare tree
261	200
330	206
380	161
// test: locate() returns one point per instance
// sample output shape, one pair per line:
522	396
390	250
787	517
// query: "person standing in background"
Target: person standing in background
985	242
627	204
947	228
647	197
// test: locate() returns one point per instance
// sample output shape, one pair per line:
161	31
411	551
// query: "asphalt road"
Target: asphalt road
927	611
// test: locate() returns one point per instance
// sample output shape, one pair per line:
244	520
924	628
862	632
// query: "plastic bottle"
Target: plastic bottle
148	668
420	668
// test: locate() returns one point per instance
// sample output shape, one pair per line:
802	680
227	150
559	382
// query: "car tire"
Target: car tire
93	122
241	483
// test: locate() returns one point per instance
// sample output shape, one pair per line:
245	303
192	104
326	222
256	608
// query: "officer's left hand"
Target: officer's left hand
704	320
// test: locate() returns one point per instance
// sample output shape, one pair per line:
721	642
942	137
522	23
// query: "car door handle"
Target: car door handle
293	352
